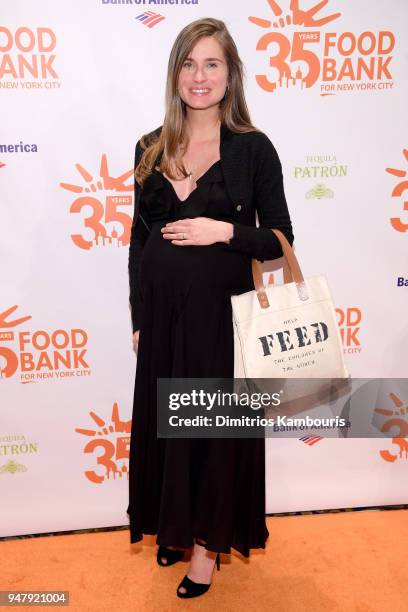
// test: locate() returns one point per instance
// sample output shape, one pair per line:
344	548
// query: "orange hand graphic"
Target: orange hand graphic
108	182
104	428
297	17
6	313
389	411
306	18
396	171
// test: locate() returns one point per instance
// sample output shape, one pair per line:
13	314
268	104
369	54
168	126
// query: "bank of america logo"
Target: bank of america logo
150	19
310	440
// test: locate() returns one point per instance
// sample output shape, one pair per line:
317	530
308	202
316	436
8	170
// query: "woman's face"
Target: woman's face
203	76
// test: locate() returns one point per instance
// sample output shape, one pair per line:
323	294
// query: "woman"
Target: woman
200	179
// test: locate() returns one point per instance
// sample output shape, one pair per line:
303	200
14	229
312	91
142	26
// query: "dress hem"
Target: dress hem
137	537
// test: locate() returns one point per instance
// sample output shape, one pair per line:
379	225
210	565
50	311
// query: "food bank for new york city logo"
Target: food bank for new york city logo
27	58
341	61
114	459
106	224
349	320
40	355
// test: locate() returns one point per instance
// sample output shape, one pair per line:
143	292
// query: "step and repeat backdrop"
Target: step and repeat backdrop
80	82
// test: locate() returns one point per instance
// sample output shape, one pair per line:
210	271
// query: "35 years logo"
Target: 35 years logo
105	214
39	355
399	189
113	439
394	417
302	56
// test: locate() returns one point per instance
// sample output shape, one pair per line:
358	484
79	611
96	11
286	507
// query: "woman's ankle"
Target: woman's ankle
202	564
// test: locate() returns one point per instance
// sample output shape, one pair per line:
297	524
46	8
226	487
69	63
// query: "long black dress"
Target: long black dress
181	489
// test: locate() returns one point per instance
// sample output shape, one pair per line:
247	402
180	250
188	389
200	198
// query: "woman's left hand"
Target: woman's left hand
200	231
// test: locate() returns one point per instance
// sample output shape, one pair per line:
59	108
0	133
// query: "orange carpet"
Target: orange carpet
349	561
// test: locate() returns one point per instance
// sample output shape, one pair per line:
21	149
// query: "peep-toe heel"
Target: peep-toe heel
194	589
172	556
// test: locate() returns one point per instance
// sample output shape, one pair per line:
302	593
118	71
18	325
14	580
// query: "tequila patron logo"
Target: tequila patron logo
395	416
302	55
37	355
27	58
321	169
349	320
104	218
399	189
113	440
12	450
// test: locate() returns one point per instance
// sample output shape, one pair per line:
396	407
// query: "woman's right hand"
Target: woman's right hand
136	340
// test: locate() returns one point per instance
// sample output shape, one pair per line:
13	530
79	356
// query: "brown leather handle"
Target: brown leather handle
291	268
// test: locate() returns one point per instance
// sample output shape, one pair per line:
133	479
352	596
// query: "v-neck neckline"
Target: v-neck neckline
197	181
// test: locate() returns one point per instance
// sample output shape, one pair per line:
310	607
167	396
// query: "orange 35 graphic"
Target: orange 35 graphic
397	419
397	192
107	222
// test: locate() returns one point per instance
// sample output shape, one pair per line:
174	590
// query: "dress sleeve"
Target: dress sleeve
138	236
270	203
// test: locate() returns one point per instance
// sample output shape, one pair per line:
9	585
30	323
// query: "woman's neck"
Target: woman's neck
202	125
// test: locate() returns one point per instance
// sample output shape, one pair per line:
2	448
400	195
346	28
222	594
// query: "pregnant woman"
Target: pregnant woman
200	179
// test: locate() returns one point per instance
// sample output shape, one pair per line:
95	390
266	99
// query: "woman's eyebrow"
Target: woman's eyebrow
207	59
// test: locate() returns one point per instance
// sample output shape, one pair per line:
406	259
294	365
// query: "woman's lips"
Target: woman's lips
197	91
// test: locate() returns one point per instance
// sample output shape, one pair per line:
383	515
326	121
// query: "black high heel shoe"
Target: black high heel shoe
193	589
172	556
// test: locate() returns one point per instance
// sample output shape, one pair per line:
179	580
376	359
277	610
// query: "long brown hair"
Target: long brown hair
234	112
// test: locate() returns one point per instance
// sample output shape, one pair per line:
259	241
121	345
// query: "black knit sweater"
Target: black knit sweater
253	179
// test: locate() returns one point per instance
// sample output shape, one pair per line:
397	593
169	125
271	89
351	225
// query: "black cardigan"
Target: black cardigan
253	179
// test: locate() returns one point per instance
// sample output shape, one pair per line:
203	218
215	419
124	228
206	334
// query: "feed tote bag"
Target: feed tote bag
287	331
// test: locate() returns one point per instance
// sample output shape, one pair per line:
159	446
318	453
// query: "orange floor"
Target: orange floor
349	561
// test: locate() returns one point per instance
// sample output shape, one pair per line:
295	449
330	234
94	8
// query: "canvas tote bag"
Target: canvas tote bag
287	331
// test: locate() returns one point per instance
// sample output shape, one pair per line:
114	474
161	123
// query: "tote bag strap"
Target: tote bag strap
291	272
